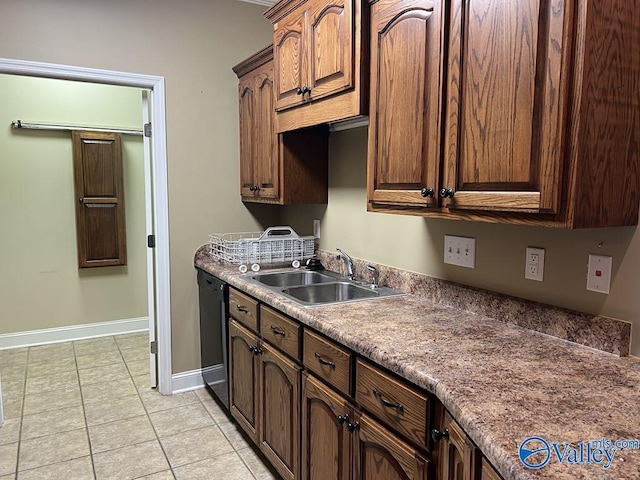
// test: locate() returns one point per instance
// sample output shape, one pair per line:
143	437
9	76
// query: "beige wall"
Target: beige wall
193	44
40	283
417	244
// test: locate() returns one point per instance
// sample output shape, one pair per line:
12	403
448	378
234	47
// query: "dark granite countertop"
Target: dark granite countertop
501	382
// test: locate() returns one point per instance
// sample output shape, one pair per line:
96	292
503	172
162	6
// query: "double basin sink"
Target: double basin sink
311	288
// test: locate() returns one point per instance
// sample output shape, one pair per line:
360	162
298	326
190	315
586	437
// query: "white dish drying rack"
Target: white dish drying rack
275	245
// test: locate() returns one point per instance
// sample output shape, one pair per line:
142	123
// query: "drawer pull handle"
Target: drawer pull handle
386	402
325	362
242	308
276	331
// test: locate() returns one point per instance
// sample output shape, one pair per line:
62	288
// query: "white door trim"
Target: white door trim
161	283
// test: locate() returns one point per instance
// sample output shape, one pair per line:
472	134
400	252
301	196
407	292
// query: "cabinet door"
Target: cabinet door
506	99
380	455
280	411
406	86
266	160
456	456
330	46
243	378
247	98
326	442
290	59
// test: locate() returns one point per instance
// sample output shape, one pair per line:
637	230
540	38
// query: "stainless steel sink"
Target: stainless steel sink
288	279
329	292
311	288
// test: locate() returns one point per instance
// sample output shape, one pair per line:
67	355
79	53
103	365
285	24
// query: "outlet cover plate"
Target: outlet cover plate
534	264
599	273
316	228
460	251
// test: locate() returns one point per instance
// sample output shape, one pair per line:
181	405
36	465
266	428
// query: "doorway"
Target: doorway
155	200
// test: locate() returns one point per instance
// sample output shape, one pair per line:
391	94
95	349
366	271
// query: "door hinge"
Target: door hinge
153	347
147	129
151	241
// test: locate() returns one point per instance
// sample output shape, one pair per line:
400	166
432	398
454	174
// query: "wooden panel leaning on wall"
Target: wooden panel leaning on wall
99	188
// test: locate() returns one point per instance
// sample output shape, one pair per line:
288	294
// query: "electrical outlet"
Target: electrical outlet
316	228
534	264
460	251
599	273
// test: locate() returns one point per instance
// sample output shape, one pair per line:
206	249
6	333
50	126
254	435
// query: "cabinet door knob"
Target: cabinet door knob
300	91
447	193
343	418
352	427
427	192
437	435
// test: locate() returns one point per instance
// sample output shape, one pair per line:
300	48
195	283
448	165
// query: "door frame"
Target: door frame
159	284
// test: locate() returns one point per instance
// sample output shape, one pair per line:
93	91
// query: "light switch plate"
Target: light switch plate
599	273
460	251
534	264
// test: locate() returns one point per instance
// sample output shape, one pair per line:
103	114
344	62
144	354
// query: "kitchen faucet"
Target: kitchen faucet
348	263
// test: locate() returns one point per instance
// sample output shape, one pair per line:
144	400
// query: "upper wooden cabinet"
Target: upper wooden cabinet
540	117
275	168
319	62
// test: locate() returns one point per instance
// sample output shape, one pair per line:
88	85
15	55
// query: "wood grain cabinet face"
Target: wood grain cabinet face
275	168
405	110
381	455
506	104
327	444
455	455
280	411
320	58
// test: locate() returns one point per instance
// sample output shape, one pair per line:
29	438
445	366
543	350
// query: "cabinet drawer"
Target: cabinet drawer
280	331
328	361
243	309
400	407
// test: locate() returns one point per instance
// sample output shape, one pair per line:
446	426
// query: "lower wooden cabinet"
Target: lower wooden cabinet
381	455
243	378
280	411
326	441
455	456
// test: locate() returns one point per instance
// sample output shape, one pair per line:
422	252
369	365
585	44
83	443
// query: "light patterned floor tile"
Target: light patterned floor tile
154	401
113	435
54	421
95	346
8	477
165	475
49	367
14	356
105	373
142	382
130	462
256	465
234	435
76	469
99	359
52	352
8	456
54	400
212	406
48	383
133	340
195	445
228	466
133	354
107	391
13	373
138	367
10	431
12	388
12	405
110	411
56	448
181	419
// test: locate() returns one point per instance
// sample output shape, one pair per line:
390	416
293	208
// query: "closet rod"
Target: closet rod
53	126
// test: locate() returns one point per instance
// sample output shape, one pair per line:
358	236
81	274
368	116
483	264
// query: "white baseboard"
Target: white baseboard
73	332
185	381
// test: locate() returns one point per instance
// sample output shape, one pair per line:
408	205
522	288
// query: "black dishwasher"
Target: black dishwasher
214	311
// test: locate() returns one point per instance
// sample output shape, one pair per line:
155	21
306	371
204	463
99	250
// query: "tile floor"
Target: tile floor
84	410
